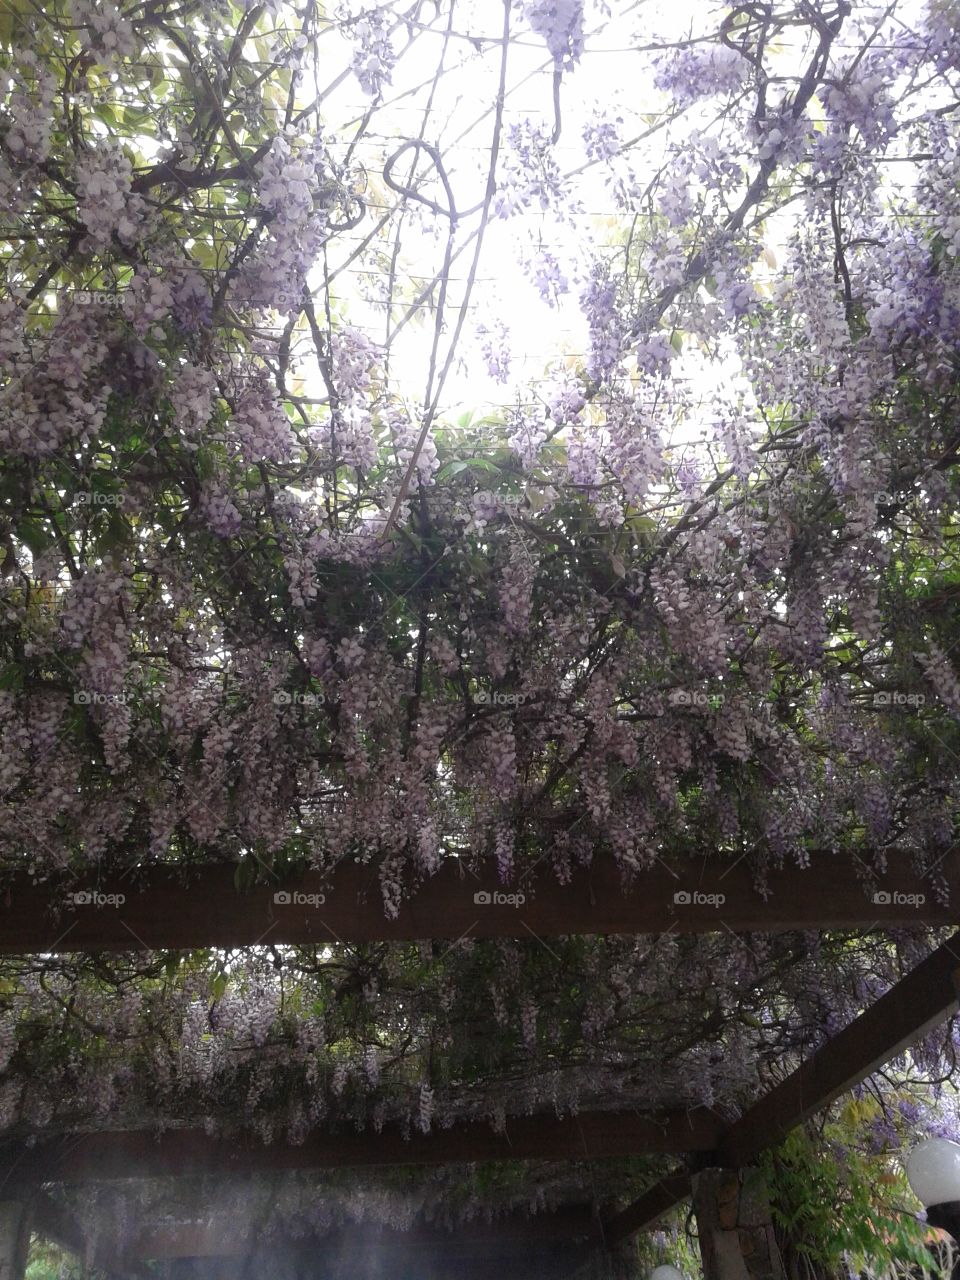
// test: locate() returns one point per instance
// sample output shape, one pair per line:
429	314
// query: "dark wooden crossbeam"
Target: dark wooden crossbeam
191	1152
163	908
901	1017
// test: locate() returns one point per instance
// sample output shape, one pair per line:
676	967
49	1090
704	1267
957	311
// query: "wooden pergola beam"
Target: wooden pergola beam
907	1012
912	1007
165	908
192	1152
650	1207
57	1224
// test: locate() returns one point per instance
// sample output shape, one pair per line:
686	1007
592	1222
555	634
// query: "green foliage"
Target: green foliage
839	1207
47	1261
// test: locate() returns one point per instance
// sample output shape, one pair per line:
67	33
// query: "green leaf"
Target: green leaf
12	676
451	469
35	536
117	533
461	464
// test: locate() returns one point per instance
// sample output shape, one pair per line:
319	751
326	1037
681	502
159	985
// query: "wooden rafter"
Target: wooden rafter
186	1152
167	909
901	1017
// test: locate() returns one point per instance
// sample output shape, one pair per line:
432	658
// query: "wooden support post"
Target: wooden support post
737	1239
14	1238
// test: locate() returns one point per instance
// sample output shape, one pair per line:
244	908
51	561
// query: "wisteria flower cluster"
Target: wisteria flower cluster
691	593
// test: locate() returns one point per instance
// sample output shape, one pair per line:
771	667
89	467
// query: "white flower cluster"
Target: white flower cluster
353	360
425	1109
730	733
635	454
285	182
560	24
148	301
193	395
260	427
356	443
937	669
61	399
501	752
8	1038
516	589
219	513
288	190
405	432
31	113
105	203
108	31
583	459
373	57
527	434
693	73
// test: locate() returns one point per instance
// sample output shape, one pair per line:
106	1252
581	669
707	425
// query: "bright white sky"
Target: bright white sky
606	79
612	77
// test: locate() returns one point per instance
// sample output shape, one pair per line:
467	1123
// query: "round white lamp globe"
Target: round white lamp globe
933	1171
666	1272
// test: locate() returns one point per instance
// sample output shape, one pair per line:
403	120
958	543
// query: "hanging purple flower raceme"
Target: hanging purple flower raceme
295	184
105	204
373	54
689	74
560	24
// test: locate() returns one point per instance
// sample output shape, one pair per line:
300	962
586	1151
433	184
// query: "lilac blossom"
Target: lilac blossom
373	56
692	73
105	205
560	23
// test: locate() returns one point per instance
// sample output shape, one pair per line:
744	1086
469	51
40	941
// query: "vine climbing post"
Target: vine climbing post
734	1224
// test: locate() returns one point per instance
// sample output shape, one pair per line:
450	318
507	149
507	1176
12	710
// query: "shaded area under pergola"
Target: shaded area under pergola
923	998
